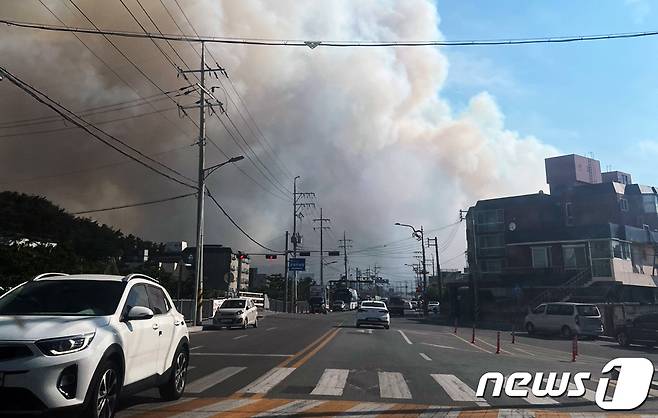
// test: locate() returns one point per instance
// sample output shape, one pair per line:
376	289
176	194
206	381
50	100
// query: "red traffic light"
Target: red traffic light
243	256
270	256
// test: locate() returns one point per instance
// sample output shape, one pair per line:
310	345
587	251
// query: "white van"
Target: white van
565	318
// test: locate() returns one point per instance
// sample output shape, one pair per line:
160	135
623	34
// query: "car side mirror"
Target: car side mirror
137	313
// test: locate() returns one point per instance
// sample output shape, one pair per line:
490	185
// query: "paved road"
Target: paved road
320	365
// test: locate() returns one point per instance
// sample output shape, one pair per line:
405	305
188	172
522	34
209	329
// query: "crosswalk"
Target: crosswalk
390	385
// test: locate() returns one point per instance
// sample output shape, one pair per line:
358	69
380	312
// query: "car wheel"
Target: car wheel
530	328
245	323
387	326
175	385
358	325
566	332
255	323
103	391
623	340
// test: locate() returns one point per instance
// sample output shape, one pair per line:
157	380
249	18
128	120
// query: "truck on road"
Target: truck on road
317	299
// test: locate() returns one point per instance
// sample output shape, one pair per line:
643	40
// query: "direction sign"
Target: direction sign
297	264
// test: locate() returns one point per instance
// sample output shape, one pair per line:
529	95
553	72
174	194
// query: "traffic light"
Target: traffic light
270	256
304	253
333	253
243	256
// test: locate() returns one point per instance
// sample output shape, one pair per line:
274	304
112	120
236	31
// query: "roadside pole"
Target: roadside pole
285	277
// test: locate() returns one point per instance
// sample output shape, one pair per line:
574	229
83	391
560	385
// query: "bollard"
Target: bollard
473	335
574	348
455	331
513	336
498	342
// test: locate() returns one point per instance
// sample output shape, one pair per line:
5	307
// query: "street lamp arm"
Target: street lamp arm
208	171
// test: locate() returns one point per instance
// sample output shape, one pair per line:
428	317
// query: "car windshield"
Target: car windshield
233	303
588	310
63	298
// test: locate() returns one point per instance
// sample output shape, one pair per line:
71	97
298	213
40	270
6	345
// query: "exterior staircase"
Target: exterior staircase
562	292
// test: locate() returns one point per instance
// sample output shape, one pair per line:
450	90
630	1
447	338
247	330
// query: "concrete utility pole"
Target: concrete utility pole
322	220
438	264
344	244
419	235
285	277
472	263
296	238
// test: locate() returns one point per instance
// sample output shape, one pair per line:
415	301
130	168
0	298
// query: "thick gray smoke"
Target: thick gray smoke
367	129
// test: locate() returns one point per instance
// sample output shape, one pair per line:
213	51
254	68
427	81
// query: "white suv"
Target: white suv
236	312
78	341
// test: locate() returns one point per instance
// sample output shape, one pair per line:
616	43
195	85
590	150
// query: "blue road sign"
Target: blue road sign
297	264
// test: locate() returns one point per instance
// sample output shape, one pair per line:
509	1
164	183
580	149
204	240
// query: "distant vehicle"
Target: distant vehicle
349	296
641	330
434	307
414	305
317	300
82	341
373	313
565	318
338	305
236	312
397	305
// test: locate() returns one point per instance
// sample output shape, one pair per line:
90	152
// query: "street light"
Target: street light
208	171
418	233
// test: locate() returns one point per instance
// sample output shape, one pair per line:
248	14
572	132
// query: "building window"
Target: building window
540	258
649	204
491	241
488	217
601	249
568	213
575	257
623	204
601	268
491	266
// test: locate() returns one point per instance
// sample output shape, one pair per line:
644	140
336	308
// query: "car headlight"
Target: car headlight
238	313
65	345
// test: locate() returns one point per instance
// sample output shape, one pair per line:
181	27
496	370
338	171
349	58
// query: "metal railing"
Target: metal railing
563	291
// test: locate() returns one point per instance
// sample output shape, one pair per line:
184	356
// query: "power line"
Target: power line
330	43
132	205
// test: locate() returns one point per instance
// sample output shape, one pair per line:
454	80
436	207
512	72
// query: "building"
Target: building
224	271
593	238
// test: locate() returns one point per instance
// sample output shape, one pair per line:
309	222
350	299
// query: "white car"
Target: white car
565	318
236	312
78	341
373	313
434	307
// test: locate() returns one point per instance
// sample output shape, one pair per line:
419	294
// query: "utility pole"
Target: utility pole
285	277
321	219
472	262
438	263
296	237
344	244
202	104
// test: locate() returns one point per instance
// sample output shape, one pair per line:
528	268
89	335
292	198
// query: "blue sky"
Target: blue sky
599	97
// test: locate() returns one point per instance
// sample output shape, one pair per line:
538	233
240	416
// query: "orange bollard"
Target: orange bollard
513	336
498	342
455	331
473	335
574	348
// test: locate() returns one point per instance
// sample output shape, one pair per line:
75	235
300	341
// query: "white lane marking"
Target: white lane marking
458	390
212	409
141	408
516	413
190	368
425	356
332	382
212	379
405	336
196	348
590	395
359	409
242	355
439	411
393	385
535	400
240	336
492	346
524	351
267	381
444	346
291	408
271	329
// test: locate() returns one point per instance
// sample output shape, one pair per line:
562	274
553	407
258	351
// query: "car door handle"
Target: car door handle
156	326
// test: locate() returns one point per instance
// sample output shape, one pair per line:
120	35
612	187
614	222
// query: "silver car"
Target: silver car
566	319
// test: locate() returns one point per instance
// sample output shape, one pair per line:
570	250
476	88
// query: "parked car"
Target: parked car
566	319
236	312
338	305
397	305
75	342
415	305
641	330
373	313
433	306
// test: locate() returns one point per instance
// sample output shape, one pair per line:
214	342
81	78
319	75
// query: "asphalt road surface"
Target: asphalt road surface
321	365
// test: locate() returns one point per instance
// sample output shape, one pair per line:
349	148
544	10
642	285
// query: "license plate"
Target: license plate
226	321
373	319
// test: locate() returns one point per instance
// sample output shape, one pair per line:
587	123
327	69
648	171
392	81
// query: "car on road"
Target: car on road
236	312
373	313
74	343
415	305
338	305
566	319
434	307
643	329
397	305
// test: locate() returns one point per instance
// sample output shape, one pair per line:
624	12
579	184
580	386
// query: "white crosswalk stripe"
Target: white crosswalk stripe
535	400
365	409
292	408
393	385
266	382
213	409
212	379
332	382
458	390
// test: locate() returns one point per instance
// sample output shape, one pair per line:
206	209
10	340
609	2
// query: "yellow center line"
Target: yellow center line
316	349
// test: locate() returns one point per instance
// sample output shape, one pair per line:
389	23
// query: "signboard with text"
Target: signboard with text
297	264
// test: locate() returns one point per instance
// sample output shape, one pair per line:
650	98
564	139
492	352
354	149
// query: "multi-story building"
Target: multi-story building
592	238
224	271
